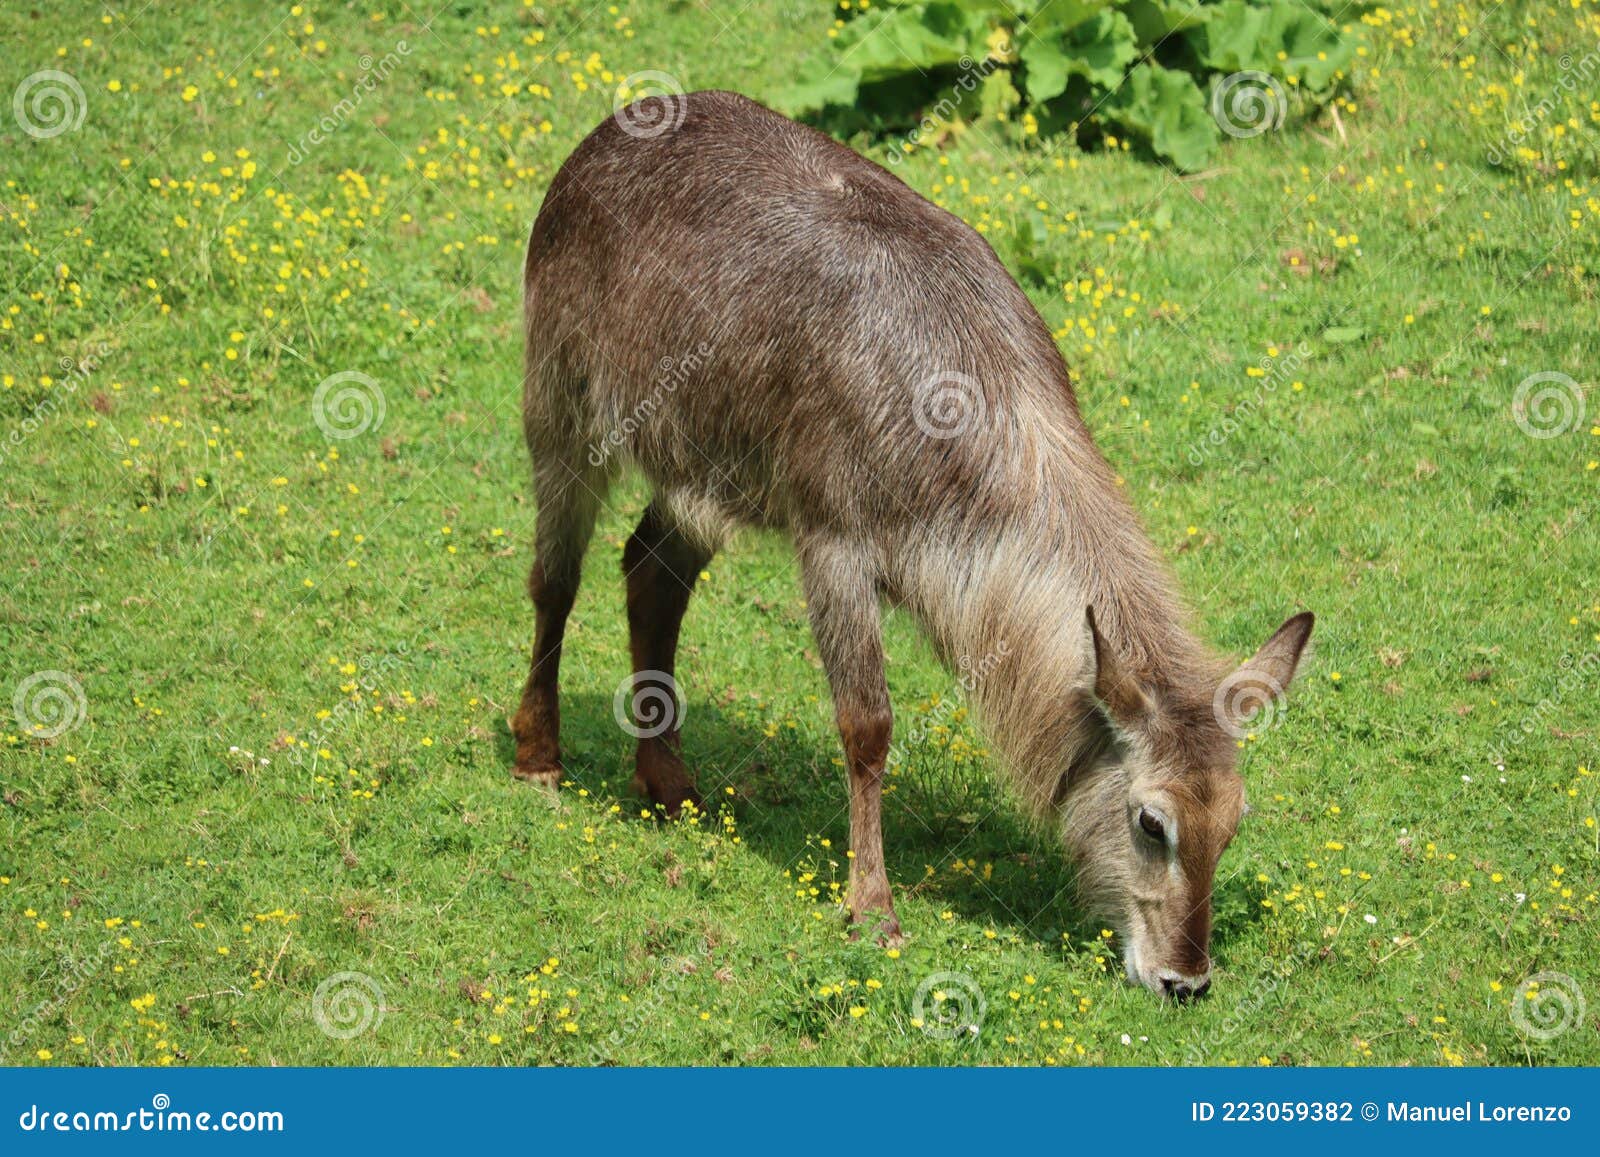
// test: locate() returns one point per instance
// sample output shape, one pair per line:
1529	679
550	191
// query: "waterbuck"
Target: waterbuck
778	333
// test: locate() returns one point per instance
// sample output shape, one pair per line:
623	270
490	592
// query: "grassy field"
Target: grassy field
257	802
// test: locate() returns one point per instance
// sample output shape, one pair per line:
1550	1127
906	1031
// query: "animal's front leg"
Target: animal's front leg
866	747
841	593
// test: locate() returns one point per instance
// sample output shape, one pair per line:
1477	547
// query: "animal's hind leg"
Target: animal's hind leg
661	566
567	504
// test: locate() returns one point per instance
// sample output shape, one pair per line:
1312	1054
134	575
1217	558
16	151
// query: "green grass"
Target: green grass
232	822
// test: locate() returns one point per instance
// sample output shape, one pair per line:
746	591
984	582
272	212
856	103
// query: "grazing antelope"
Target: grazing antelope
779	333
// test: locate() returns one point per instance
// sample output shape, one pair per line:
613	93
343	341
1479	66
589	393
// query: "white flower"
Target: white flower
1370	918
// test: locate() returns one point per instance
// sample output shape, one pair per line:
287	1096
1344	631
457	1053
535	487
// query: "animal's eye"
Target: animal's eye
1152	825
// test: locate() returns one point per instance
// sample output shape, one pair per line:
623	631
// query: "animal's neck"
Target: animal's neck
1004	600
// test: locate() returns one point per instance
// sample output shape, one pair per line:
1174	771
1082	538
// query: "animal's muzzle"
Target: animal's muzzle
1181	988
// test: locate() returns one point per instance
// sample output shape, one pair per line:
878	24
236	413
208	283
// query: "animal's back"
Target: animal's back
774	329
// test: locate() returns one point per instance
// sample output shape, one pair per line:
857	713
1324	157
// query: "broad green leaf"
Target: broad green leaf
1098	50
1242	37
1010	9
831	85
1155	20
1048	68
1167	111
887	43
1065	15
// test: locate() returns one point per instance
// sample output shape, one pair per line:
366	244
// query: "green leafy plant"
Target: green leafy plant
1173	76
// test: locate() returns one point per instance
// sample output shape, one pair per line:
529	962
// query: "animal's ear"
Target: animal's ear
1279	657
1262	681
1114	684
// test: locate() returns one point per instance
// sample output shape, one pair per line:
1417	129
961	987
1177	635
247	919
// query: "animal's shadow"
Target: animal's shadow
988	864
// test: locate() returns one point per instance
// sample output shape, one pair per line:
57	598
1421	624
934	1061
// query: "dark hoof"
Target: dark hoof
660	774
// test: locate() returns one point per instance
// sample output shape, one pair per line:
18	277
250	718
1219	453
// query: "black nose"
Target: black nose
1181	990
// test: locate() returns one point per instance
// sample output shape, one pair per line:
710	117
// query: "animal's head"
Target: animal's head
1160	798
